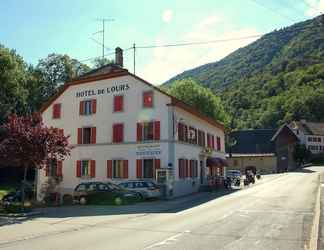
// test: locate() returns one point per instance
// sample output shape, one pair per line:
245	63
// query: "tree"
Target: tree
13	80
301	154
55	70
190	92
101	61
26	142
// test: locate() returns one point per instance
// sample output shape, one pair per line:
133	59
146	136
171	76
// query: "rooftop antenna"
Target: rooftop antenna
103	20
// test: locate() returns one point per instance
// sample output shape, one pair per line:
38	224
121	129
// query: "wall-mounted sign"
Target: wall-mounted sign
109	90
148	150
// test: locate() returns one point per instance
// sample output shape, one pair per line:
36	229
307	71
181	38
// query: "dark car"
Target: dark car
16	196
102	193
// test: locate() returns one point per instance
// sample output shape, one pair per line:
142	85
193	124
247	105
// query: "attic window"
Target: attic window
148	99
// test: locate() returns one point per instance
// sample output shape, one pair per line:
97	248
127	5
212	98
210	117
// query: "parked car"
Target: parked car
16	196
233	178
147	189
102	193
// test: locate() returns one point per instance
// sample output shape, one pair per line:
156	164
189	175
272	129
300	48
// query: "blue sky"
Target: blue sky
36	28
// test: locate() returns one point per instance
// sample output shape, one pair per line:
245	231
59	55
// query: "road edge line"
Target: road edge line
313	242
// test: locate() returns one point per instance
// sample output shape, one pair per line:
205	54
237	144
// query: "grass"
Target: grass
7	188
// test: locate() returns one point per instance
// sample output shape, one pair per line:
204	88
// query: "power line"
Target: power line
312	7
274	11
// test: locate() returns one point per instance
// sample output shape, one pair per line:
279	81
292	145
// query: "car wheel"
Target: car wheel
83	200
118	201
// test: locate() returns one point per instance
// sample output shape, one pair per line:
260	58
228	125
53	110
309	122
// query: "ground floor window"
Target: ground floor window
148	168
118	168
53	168
85	169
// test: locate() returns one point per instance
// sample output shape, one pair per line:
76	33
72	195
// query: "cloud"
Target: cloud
315	7
167	16
170	61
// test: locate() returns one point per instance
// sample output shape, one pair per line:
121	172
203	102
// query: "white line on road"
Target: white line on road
167	240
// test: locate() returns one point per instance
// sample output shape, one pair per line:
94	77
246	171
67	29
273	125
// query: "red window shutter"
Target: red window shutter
118	103
116	133
180	132
186	168
79	135
139	131
148	99
59	168
119	132
92	168
78	169
180	167
191	168
109	169
94	106
57	110
157	165
125	166
139	168
157	130
93	135
81	108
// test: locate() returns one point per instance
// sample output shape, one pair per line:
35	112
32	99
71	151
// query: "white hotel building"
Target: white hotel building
122	127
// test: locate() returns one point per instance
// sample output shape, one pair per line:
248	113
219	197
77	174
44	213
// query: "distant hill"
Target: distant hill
275	79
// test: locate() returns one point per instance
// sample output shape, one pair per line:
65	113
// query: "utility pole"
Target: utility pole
134	48
103	20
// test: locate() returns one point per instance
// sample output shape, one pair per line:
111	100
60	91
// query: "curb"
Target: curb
30	214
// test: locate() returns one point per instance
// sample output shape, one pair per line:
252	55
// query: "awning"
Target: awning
216	161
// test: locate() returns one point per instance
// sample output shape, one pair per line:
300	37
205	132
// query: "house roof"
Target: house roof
252	155
308	128
256	141
113	71
284	127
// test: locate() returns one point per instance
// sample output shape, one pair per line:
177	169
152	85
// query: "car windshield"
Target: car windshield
114	186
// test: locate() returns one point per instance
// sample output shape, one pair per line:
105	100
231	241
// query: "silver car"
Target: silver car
146	189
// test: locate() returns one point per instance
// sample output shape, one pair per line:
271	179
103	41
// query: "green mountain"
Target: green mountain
278	78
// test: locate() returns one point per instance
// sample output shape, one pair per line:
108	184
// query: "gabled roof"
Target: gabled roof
308	128
284	127
254	141
112	71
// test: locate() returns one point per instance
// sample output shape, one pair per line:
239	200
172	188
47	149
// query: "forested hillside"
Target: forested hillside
278	78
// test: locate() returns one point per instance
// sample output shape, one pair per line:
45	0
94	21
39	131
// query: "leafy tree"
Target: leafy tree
56	69
100	61
13	80
301	154
26	142
190	92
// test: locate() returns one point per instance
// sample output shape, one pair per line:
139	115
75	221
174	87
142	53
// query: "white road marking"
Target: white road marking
167	240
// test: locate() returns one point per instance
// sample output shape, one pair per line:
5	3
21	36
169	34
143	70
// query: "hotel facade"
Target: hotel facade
122	127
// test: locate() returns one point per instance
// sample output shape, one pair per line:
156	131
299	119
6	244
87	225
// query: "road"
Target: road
275	214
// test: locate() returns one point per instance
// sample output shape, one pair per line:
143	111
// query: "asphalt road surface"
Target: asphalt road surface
275	214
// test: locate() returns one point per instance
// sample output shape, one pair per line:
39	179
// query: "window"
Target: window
192	135
118	103
218	142
148	167
193	173
118	133
57	111
183	168
235	162
81	187
148	133
118	169
103	187
201	138
87	135
310	139
148	99
85	168
54	168
86	138
88	107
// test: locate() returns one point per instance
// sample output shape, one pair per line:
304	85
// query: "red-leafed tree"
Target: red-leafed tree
28	143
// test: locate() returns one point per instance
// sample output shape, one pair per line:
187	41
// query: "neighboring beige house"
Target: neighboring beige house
265	163
253	148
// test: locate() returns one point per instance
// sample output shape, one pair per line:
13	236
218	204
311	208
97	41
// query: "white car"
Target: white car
147	189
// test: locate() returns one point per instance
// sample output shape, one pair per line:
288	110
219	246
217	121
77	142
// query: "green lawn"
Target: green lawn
6	188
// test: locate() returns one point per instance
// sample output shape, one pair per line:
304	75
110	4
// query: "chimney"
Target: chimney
119	57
